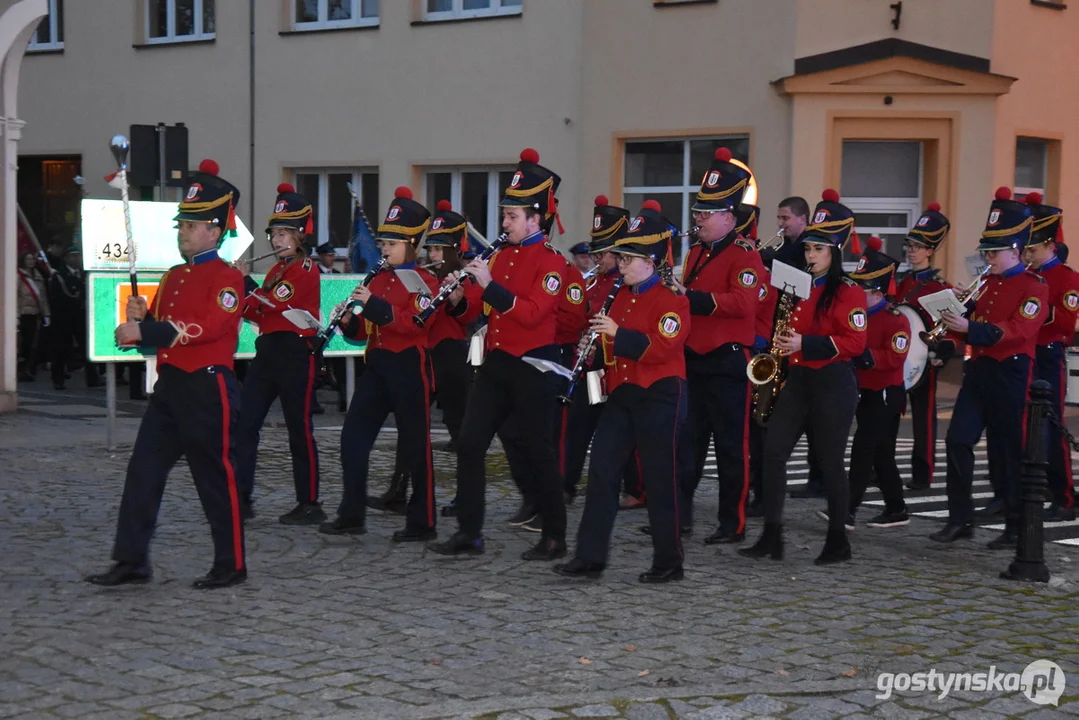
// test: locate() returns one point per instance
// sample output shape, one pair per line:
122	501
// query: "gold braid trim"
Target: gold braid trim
204	206
1045	222
301	213
722	194
1008	231
832	226
404	230
604	234
529	192
643	239
934	235
448	230
872	275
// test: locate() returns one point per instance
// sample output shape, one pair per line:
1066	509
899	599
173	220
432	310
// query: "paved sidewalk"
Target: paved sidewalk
359	628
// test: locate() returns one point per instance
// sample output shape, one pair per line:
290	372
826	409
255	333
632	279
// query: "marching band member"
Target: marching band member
284	365
397	378
923	241
335	367
643	337
519	290
762	334
826	331
582	257
1009	309
721	278
194	326
882	393
1046	235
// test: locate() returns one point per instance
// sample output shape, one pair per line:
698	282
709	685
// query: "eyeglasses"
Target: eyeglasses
624	259
706	213
911	246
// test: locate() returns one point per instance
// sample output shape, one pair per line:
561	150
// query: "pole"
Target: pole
110	405
120	148
161	170
350	379
1029	564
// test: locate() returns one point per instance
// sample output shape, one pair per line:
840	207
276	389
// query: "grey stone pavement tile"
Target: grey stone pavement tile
358	627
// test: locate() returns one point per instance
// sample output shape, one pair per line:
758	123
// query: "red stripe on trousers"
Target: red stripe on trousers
562	442
674	479
745	455
429	480
1069	481
309	431
1026	407
230	474
931	411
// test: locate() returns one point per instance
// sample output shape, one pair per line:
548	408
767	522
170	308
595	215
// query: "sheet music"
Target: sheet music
549	366
790	279
302	319
413	282
938	302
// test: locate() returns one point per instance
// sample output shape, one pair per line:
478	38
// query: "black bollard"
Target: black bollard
1029	563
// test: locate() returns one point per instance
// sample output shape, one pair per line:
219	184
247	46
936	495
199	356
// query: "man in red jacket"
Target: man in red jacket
194	326
1053	340
881	392
1001	331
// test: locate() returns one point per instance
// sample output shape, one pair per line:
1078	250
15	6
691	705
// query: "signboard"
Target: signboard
104	237
106	307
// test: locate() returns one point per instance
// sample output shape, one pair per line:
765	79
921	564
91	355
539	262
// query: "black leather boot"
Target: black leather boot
395	499
769	545
836	548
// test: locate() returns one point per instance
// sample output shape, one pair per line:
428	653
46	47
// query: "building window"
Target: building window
670	172
454	9
331	195
50	31
169	21
474	191
882	185
1031	165
325	14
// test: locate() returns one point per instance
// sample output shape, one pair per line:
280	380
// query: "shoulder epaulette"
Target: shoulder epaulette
850	282
744	244
1036	275
894	310
307	263
591	282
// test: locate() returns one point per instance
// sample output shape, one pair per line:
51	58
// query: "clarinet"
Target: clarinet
323	337
424	315
581	364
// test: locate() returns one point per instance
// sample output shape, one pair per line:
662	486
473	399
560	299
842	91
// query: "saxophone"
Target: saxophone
766	370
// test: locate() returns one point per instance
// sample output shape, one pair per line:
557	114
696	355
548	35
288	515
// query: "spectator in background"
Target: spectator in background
33	305
582	257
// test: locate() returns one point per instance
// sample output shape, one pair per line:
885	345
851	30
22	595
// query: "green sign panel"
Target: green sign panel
106	300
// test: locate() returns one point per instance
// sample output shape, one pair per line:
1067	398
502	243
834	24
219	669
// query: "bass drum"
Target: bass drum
917	352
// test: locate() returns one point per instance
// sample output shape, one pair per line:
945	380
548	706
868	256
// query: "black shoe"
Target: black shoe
569	495
1005	541
1055	513
545	550
447	446
318	410
849	523
524	513
918	485
576	568
121	574
807	492
724	537
220	579
769	545
450	510
755	509
395	499
952	532
993	510
343	526
304	514
890	519
533	525
415	535
836	548
686	531
458	544
661	575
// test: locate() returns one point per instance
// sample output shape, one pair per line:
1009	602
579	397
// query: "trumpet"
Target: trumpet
772	241
692	231
932	337
424	315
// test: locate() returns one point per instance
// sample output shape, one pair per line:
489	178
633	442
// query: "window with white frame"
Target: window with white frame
50	31
882	185
330	192
670	172
327	14
474	192
453	9
170	21
1031	165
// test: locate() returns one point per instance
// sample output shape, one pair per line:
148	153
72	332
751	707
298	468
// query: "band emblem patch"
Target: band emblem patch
284	290
552	283
575	293
900	342
1030	308
228	299
670	325
423	302
1071	300
857	319
747	278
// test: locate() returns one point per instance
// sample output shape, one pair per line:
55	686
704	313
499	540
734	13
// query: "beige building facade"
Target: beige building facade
896	104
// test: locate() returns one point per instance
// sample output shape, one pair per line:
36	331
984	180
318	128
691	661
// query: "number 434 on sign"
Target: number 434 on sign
112	252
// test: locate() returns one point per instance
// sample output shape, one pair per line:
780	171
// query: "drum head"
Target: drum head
918	352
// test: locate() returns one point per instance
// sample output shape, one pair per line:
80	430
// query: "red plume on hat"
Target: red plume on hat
210	167
444	206
601	201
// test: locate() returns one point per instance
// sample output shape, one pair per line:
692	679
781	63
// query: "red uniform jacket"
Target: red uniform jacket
1008	312
767	297
887	343
387	316
444	327
293	283
836	336
599	287
653	324
521	300
722	283
195	319
1063	283
572	308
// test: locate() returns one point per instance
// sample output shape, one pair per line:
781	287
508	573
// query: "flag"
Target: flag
363	253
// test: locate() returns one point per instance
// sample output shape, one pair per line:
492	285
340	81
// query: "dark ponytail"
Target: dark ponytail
451	262
831	285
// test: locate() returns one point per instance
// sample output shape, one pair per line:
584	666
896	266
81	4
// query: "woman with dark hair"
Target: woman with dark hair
825	332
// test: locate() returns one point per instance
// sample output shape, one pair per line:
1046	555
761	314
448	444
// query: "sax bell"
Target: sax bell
597	387
762	369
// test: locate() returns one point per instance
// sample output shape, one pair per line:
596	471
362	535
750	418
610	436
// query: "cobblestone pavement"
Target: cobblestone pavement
359	628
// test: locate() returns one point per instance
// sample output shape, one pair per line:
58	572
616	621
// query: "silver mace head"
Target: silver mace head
120	147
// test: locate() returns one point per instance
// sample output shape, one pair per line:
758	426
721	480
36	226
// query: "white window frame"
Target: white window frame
1020	190
458	12
322	220
323	23
912	207
171	36
689	185
494	219
54	28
